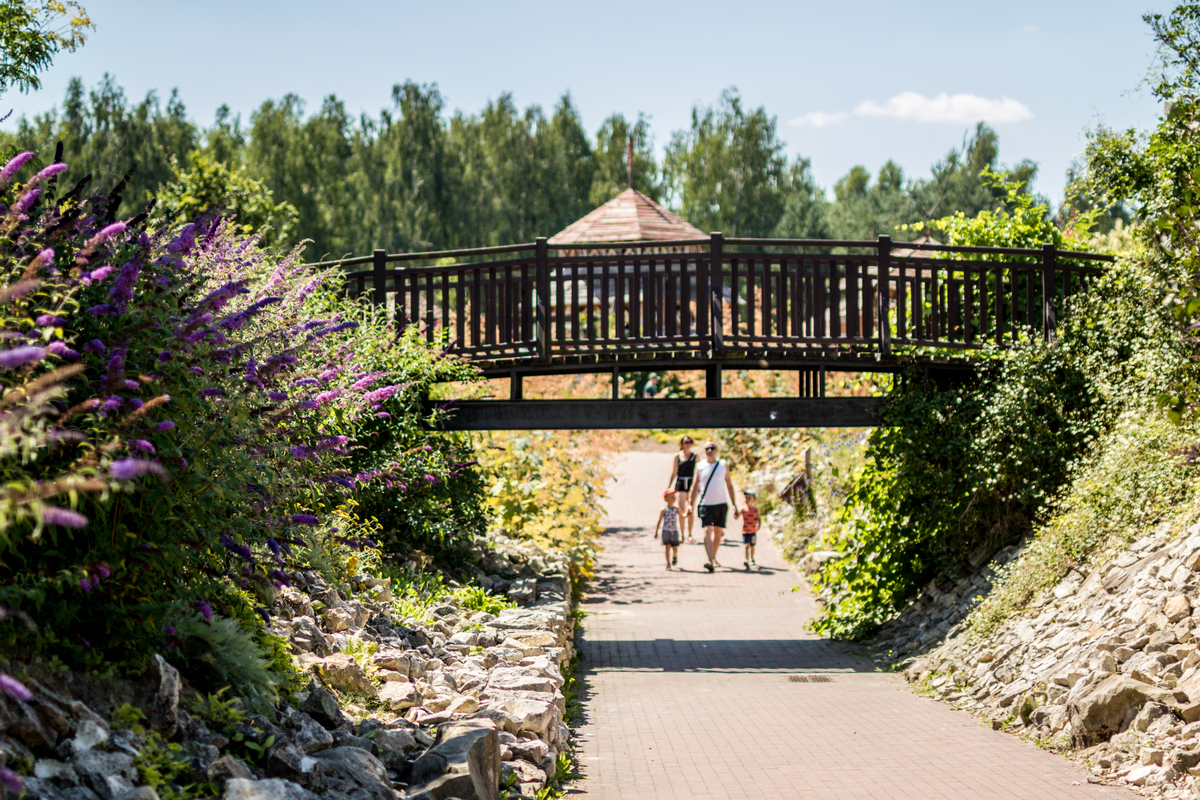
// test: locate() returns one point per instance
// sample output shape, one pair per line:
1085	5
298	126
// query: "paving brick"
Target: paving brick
686	691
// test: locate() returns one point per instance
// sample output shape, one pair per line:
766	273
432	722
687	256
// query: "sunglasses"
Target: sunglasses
710	447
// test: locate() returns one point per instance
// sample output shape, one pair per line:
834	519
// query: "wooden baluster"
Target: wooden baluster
541	278
836	331
820	295
460	308
853	326
606	310
687	270
621	320
781	304
1048	290
379	277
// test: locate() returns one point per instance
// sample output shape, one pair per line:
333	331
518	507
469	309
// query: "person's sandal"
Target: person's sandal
674	560
709	567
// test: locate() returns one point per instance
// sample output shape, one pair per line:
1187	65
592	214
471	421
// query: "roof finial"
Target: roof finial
629	162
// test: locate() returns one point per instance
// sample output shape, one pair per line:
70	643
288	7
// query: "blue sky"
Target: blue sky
852	82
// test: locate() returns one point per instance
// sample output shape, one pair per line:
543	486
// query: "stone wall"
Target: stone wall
451	706
1104	667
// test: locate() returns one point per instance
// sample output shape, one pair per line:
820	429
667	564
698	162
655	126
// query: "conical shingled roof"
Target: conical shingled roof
628	217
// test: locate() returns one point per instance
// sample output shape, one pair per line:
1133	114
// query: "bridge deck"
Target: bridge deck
721	303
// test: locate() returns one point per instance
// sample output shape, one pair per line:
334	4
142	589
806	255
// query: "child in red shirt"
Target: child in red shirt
750	520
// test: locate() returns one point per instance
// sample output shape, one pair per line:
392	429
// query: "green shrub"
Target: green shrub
179	410
954	475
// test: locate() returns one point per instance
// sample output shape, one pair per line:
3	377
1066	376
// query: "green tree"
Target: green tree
805	213
306	163
958	183
728	171
32	33
209	184
863	210
1159	175
106	136
612	153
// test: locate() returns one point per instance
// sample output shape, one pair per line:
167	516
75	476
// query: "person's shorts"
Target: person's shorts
683	484
670	538
713	516
750	539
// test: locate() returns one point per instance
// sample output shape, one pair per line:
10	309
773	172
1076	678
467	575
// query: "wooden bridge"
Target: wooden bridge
713	304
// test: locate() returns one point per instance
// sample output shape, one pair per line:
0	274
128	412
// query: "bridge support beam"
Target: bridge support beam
741	412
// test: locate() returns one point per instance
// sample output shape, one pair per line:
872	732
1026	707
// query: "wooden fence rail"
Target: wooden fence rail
762	298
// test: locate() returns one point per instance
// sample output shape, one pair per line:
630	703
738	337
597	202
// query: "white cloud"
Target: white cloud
819	119
947	108
1031	29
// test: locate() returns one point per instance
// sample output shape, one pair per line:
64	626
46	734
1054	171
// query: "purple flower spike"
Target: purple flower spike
85	584
304	519
164	426
63	517
96	346
25	203
132	385
104	571
165	355
97	275
61	350
11	167
20	356
14	688
212	393
129	468
205	610
143	446
11	781
136	402
42	259
46	173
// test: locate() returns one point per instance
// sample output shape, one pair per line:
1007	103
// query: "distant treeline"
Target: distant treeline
417	178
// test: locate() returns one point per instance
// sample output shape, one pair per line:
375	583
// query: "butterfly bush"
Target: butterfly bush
177	409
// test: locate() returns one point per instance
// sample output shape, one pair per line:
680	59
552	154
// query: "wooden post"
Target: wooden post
616	383
882	289
515	389
1048	292
379	277
715	284
712	381
808	465
541	292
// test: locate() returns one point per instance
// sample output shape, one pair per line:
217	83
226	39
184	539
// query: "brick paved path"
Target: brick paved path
686	690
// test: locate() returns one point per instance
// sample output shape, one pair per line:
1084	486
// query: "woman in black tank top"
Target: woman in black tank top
683	472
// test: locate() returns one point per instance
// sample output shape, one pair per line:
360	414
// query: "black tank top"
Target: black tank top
687	468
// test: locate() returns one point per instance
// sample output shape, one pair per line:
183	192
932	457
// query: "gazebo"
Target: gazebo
637	223
629	217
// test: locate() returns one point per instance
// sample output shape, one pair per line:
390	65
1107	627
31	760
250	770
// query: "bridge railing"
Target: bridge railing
764	297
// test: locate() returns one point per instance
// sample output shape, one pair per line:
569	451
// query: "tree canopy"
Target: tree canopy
416	176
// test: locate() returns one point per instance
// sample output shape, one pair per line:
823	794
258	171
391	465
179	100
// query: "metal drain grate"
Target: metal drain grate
809	679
